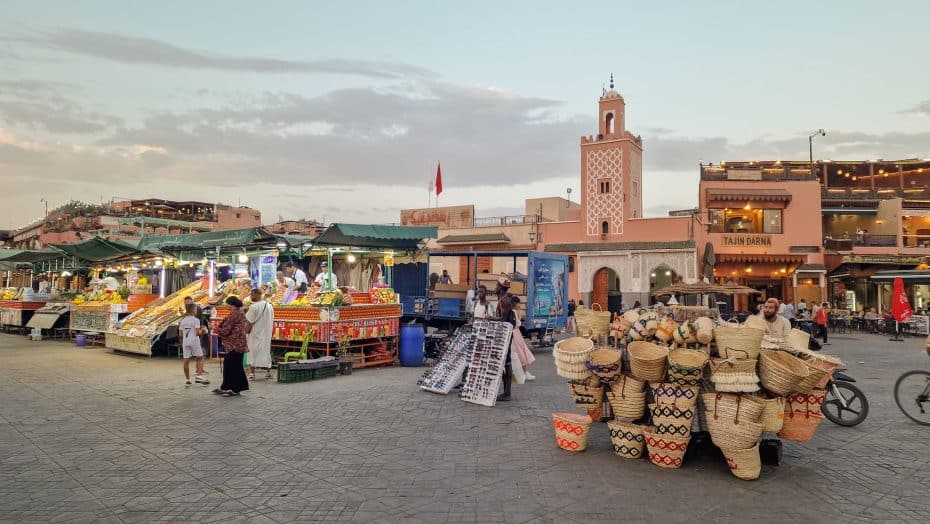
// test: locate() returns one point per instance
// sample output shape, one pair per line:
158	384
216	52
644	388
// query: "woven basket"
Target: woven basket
798	339
605	364
733	408
648	361
729	435
571	430
800	426
735	341
668	393
704	330
587	396
734	375
686	366
773	414
594	323
627	398
665	451
573	350
645	326
806	401
744	464
826	366
665	333
754	321
780	372
627	439
685	334
672	420
815	375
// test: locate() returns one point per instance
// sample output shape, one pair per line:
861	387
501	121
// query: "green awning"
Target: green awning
27	256
211	240
97	249
908	276
366	235
294	240
849	211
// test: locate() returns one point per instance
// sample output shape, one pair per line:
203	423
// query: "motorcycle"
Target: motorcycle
845	404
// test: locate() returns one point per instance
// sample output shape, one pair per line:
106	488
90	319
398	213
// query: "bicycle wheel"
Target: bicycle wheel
912	394
856	407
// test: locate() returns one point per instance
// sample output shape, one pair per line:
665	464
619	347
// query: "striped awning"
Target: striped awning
749	195
849	211
760	259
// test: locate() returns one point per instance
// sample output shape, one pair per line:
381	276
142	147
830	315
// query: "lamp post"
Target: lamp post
810	145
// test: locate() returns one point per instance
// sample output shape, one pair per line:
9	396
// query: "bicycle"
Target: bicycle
912	390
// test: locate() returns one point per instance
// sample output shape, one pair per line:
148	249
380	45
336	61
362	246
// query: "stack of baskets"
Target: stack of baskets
571	358
735	425
592	323
627	398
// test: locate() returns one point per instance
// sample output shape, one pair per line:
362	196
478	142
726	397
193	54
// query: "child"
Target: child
191	330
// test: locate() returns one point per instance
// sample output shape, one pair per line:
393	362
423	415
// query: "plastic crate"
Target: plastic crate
329	371
286	375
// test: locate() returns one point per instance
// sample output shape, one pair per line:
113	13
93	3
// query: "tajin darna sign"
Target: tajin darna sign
746	241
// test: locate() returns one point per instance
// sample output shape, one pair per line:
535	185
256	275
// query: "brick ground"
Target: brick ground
89	435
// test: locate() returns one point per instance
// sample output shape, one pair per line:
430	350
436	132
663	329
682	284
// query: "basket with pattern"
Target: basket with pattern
672	420
627	439
587	395
736	341
665	451
571	357
594	322
745	463
811	401
605	364
627	398
645	326
648	361
773	414
686	366
571	430
780	372
671	393
704	330
732	407
731	375
800	425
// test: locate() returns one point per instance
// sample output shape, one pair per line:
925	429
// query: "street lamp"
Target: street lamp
810	145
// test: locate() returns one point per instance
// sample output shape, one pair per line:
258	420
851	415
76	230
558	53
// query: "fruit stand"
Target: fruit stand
17	306
138	332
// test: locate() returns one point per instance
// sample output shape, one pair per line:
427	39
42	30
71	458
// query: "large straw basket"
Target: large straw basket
645	326
733	408
627	398
735	341
818	365
627	439
594	322
571	430
672	420
798	339
587	396
815	375
665	451
686	366
773	414
685	333
806	401
704	330
726	434
781	372
571	356
648	360
671	393
755	321
605	364
731	375
800	426
744	464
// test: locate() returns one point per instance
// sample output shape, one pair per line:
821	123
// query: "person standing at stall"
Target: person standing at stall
232	332
300	278
324	275
505	313
518	343
261	318
482	307
191	330
821	319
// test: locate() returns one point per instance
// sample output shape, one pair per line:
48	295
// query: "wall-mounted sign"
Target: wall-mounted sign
746	241
744	174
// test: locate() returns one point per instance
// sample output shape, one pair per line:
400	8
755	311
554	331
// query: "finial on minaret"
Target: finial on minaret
611	81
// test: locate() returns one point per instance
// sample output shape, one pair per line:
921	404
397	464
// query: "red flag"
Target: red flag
438	179
900	309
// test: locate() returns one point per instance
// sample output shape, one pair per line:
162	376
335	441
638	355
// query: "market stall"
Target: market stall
17	305
139	331
53	319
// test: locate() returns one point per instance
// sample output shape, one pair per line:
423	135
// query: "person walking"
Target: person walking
570	324
261	318
821	319
232	332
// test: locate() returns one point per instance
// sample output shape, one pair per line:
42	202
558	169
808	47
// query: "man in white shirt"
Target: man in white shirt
300	278
775	325
261	316
324	275
483	308
802	306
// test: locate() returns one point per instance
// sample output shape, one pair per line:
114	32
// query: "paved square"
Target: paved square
87	435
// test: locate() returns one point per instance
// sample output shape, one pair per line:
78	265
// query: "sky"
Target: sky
341	111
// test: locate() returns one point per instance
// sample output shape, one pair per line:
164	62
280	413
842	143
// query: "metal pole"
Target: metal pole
810	145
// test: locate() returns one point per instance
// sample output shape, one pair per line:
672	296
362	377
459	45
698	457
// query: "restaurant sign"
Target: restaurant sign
744	174
746	241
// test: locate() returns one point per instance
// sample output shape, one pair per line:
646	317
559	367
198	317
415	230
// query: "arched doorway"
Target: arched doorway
606	290
659	278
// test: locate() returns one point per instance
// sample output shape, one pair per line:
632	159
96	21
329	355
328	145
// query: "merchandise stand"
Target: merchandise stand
447	373
486	363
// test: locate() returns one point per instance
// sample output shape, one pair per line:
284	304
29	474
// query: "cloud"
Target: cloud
922	109
147	51
40	105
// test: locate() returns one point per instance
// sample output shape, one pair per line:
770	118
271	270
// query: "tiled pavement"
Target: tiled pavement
87	435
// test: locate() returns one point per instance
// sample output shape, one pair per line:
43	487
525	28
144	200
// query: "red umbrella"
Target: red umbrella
900	308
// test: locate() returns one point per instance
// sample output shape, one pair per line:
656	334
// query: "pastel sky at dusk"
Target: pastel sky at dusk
340	110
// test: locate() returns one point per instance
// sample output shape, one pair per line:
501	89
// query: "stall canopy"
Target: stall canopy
15	256
211	240
97	249
909	277
703	288
402	238
293	240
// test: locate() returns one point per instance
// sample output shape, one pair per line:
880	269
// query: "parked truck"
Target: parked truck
539	279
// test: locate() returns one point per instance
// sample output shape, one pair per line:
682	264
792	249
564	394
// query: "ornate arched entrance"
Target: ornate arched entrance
606	289
660	277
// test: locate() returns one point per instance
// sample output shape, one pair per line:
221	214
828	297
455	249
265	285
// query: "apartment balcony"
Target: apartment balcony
766	174
513	220
846	244
867	194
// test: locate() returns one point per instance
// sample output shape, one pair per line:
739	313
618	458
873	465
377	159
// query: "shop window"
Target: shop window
748	221
771	221
603	187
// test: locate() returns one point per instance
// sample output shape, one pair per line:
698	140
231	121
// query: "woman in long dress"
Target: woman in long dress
232	332
519	343
261	317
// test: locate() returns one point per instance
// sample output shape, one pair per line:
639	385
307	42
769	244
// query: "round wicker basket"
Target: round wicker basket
780	373
648	361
